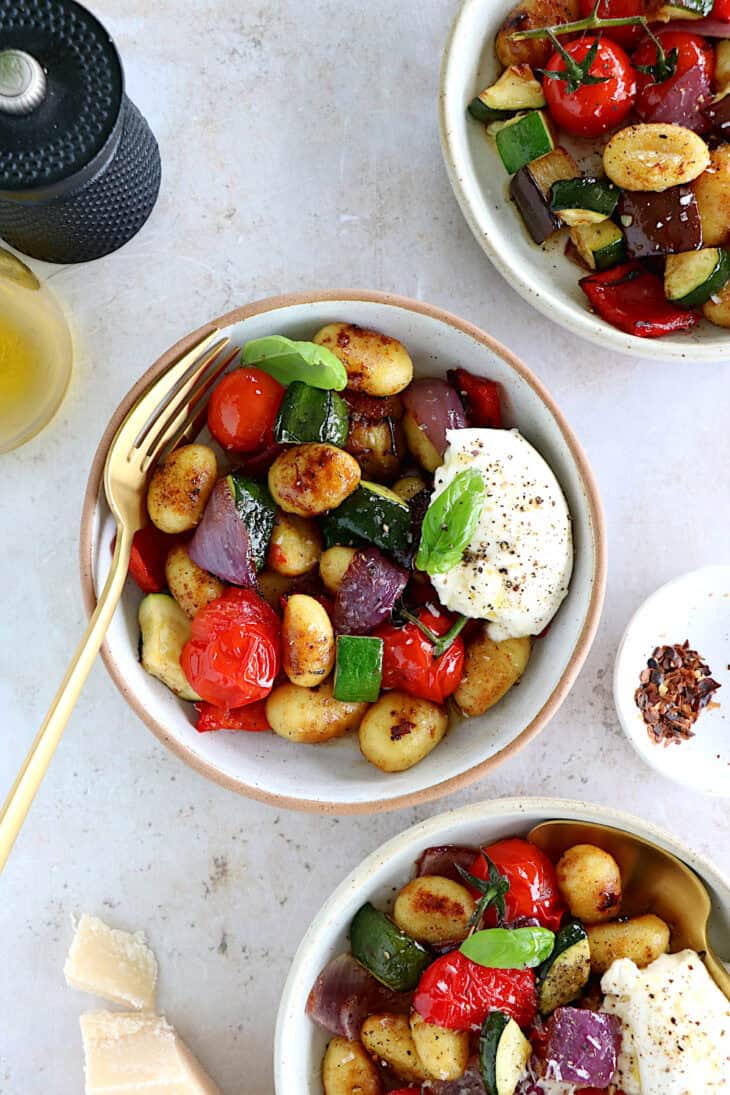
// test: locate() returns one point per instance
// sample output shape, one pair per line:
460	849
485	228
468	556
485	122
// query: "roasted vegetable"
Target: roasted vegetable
531	190
660	223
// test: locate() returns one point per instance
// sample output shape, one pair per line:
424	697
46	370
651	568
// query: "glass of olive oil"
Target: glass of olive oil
35	353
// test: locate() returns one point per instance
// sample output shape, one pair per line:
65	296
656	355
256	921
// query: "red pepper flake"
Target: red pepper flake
675	686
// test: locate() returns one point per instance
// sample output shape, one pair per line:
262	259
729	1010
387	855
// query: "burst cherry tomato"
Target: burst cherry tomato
232	656
591	109
533	886
694	52
251	718
243	408
458	994
617	9
409	664
721	10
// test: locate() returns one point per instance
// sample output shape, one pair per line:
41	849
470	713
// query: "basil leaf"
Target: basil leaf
450	522
287	361
509	948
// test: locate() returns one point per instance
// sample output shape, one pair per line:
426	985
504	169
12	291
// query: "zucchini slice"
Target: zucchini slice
164	630
503	1054
388	953
531	188
599	245
522	139
311	414
692	277
257	511
516	89
565	973
586	200
358	668
372	514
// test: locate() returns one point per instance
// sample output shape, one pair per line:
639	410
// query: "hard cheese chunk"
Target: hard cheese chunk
116	965
129	1052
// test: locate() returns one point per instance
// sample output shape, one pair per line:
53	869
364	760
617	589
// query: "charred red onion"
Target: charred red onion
443	860
345	994
368	591
221	544
683	101
436	407
470	1083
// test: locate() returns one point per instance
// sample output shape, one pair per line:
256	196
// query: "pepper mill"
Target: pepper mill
79	166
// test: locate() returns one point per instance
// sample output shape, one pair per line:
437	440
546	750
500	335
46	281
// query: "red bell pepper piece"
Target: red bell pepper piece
632	299
252	717
409	664
147	561
479	396
458	994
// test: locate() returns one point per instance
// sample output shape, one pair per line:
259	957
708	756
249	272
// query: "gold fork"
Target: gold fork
168	412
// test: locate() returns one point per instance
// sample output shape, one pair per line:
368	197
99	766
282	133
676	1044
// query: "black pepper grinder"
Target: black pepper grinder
79	166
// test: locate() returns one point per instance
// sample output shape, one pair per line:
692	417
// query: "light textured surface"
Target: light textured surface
300	150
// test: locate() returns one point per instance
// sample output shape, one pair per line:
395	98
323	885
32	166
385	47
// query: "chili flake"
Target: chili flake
675	687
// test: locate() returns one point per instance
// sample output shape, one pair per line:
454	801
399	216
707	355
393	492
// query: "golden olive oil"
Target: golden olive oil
35	354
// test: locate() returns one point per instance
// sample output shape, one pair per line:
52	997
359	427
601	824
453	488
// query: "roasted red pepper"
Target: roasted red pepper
149	554
409	664
533	886
252	717
232	656
479	396
458	994
632	299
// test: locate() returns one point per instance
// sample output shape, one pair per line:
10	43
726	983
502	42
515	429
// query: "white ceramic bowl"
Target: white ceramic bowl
335	776
542	275
694	606
299	1045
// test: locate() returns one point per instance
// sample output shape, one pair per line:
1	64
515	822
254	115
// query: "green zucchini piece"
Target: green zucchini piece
503	1054
692	277
516	89
382	948
483	113
257	511
358	668
584	201
684	9
522	139
562	976
164	630
311	414
599	245
372	514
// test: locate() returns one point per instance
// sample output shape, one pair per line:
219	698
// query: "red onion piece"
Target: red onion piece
221	543
345	994
470	1083
710	28
371	586
583	1046
682	103
443	859
436	408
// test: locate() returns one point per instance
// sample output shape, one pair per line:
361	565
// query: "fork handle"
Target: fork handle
18	802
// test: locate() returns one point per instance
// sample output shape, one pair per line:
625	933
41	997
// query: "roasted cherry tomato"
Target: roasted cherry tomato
617	9
480	397
721	10
693	52
458	994
232	656
409	664
591	109
148	557
243	408
251	718
533	887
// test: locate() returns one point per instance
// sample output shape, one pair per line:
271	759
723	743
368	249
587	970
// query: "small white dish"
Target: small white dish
694	606
542	275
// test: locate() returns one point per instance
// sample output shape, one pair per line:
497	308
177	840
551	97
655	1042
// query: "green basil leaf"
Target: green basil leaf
287	361
450	522
509	948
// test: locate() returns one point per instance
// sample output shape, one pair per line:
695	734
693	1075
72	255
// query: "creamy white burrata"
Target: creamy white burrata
516	569
675	1026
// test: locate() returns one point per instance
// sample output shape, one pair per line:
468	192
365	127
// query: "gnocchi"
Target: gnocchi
307	641
712	191
388	1038
655	156
419	445
296	545
310	479
409	486
642	939
311	715
180	488
400	730
191	586
347	1069
526	15
433	909
490	670
444	1053
333	566
376	364
378	448
590	883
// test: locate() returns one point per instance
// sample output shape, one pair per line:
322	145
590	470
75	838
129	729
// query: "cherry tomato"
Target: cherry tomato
251	718
694	52
592	108
617	9
721	10
533	886
243	408
149	554
409	664
458	994
232	656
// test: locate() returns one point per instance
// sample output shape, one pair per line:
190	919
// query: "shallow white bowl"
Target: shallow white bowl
694	606
542	275
299	1044
335	777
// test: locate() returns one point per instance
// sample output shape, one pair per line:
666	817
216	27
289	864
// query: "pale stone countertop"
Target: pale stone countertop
300	151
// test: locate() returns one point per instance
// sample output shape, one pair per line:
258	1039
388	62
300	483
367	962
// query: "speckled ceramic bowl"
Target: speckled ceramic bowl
335	777
299	1046
542	275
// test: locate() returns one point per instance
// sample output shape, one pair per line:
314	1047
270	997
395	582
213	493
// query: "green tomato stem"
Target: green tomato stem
591	22
441	643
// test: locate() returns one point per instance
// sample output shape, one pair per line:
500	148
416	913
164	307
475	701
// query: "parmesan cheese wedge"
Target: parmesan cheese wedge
113	964
137	1052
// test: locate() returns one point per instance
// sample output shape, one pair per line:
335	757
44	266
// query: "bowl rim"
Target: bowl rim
597	547
551	304
428	832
